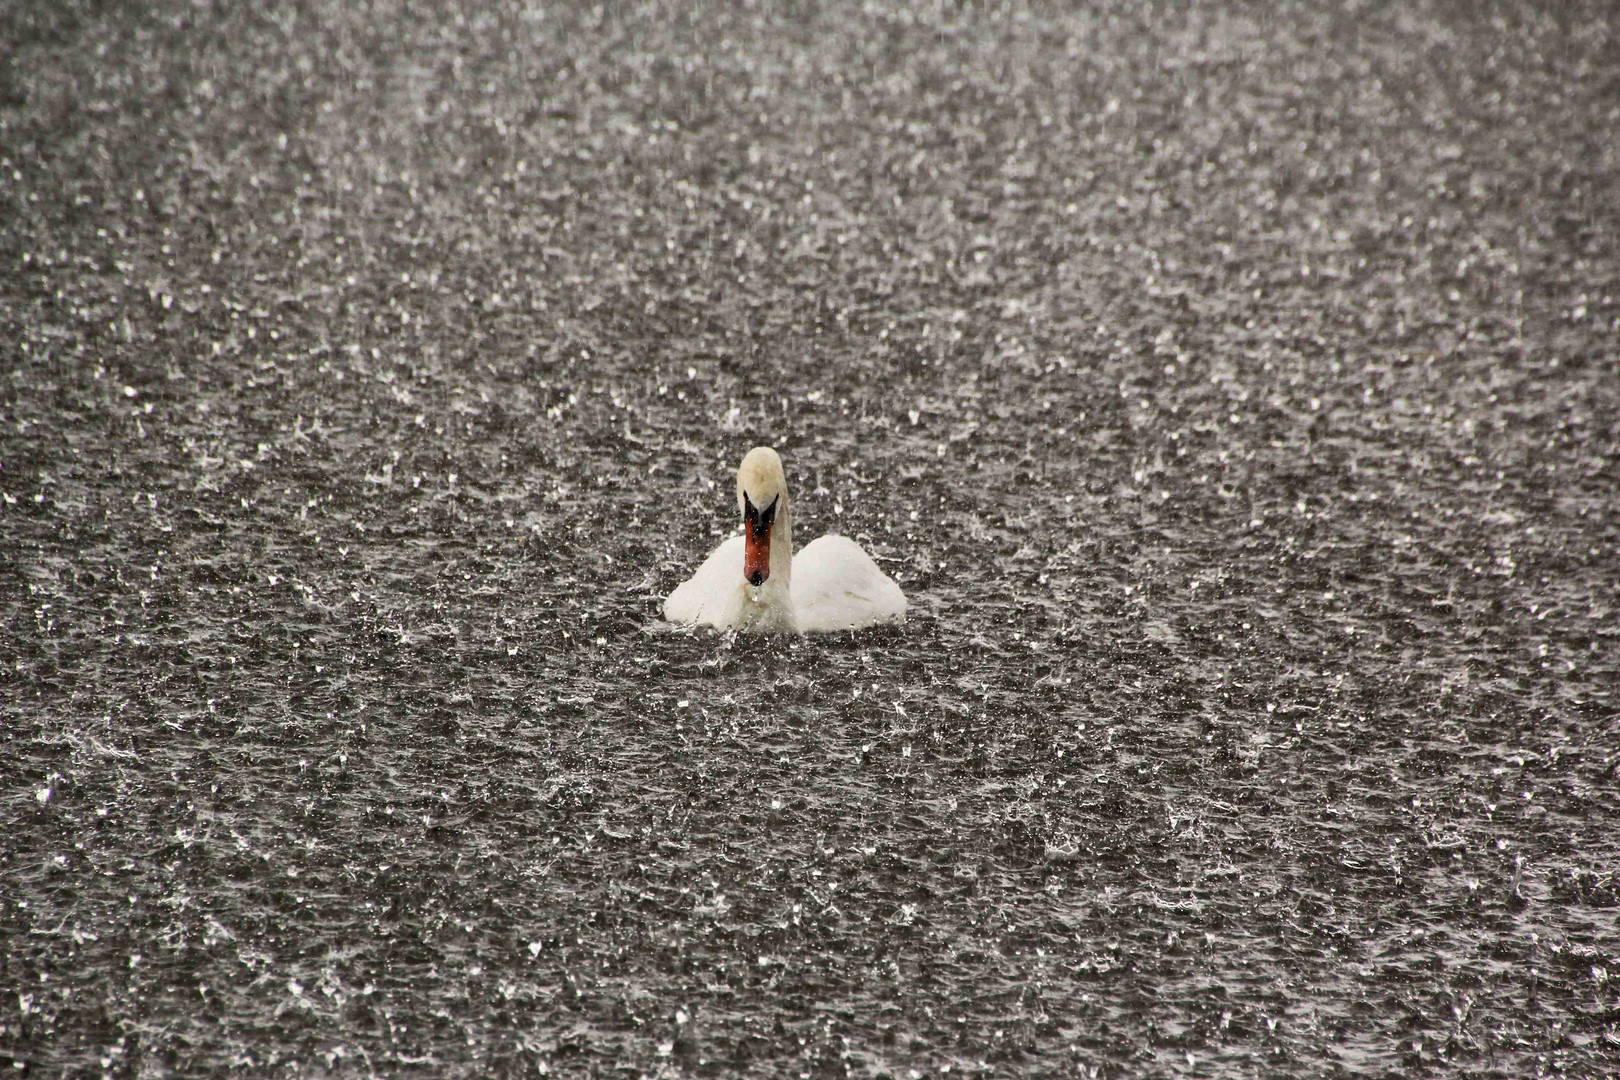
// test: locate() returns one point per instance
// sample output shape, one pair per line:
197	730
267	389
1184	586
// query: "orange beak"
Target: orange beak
756	553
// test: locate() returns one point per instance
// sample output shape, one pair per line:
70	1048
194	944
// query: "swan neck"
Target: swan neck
782	543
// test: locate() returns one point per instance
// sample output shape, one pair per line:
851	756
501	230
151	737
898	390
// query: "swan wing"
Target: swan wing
709	597
837	586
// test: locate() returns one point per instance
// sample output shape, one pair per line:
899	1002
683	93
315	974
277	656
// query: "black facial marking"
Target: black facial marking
759	521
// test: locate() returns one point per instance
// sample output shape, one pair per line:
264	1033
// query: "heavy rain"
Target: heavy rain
1231	388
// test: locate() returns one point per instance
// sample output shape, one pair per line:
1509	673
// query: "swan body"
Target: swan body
754	582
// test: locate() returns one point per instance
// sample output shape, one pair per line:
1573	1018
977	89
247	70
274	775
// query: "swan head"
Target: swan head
762	499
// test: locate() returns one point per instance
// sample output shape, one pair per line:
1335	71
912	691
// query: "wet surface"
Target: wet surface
1233	395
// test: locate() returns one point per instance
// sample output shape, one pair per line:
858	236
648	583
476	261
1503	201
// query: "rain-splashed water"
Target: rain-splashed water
1235	400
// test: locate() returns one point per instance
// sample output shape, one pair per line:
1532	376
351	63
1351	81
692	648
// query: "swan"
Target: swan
754	582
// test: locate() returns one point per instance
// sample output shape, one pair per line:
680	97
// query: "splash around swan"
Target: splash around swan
754	582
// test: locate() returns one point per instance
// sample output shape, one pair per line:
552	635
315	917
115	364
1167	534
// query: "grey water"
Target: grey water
1234	397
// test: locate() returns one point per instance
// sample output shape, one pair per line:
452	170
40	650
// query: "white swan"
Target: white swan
755	582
